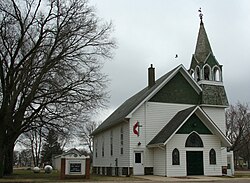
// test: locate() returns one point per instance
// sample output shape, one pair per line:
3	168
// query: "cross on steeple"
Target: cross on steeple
200	15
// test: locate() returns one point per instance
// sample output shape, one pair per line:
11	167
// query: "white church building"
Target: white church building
175	126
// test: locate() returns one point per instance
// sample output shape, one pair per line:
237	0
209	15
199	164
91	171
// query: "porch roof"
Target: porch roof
179	119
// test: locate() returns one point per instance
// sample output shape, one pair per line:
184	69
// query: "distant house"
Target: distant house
175	126
72	153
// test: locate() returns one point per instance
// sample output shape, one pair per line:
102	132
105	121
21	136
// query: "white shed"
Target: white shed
72	154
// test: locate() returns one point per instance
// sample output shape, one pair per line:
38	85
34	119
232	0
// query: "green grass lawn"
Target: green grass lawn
242	174
27	176
24	175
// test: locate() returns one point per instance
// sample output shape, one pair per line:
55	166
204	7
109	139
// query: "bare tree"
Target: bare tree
25	158
33	140
85	134
50	68
238	129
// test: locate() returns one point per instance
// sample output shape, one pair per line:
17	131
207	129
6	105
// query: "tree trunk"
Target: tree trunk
1	163
2	153
8	159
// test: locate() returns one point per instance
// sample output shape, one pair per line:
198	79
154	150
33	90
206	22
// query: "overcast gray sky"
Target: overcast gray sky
154	31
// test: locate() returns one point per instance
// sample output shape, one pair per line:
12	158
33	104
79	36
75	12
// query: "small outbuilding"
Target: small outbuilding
72	153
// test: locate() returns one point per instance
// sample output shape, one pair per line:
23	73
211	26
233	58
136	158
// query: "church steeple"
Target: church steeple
207	71
204	65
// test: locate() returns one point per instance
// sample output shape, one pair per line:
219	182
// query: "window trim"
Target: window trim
175	157
212	157
198	141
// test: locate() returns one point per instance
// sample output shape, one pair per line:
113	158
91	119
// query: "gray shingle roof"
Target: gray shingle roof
171	126
121	112
203	48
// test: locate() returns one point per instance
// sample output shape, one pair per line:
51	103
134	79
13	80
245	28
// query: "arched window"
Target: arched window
194	140
212	157
217	74
197	74
207	72
192	73
175	157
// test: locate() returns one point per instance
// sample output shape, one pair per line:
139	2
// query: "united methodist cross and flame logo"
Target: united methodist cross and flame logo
136	128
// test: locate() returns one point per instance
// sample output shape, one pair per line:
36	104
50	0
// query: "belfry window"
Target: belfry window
216	73
175	157
197	73
192	73
206	72
212	157
194	140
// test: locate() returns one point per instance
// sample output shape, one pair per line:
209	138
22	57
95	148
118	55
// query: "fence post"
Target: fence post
62	173
87	168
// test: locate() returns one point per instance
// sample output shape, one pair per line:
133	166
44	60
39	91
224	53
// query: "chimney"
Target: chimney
151	76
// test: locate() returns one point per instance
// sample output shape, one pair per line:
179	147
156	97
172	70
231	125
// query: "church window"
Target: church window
121	140
197	73
212	157
206	72
194	140
102	146
216	73
175	157
96	145
111	143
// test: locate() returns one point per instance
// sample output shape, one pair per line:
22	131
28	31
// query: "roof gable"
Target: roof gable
71	152
179	120
193	124
177	90
180	69
134	102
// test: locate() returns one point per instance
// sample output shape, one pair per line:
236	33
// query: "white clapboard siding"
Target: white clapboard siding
212	141
224	156
160	161
138	115
153	117
178	141
107	160
158	115
218	116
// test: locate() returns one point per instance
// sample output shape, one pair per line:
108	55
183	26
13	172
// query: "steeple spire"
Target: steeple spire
203	48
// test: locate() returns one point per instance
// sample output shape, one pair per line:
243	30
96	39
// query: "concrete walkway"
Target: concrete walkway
159	179
155	178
